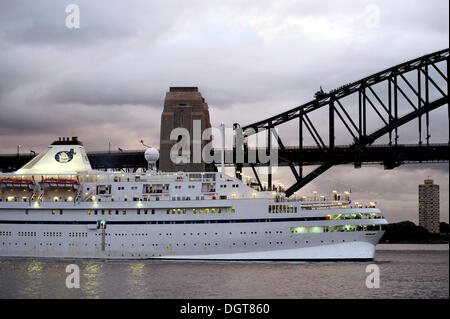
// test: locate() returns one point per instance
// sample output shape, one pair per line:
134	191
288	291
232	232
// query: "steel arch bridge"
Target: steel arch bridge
426	92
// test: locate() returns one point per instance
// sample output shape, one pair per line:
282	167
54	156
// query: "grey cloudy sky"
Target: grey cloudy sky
106	81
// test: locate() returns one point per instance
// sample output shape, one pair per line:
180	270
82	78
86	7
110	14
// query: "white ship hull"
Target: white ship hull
39	233
357	250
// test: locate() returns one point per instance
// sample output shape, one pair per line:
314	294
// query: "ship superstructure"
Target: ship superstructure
58	206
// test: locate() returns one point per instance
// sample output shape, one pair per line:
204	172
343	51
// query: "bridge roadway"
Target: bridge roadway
389	156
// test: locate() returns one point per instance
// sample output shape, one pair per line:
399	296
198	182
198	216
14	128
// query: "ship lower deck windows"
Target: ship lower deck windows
25	234
52	234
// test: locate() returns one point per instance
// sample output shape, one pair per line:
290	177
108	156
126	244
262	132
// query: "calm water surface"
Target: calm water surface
406	271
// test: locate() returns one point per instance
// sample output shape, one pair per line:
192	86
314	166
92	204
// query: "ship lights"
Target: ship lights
316	229
299	230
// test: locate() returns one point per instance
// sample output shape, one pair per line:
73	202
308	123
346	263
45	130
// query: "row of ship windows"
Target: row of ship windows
232	185
27	233
124	211
145	199
84	234
184	234
339	228
143	211
193	186
212	210
142	245
56	199
282	209
177	244
45	234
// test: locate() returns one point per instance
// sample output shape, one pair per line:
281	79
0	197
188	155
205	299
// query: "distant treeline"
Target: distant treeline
408	232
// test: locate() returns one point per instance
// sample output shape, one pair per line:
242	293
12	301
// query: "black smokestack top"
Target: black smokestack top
67	141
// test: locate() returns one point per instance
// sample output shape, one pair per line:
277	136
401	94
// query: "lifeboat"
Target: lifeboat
59	182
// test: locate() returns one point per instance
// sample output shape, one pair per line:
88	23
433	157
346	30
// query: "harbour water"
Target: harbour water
406	271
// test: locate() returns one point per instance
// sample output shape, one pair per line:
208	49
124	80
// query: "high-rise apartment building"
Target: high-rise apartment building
429	206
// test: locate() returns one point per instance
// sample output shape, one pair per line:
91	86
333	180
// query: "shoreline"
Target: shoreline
414	246
415	243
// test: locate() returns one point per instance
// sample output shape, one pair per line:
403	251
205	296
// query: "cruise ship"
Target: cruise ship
57	206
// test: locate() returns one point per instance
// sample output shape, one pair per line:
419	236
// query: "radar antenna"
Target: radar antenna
151	155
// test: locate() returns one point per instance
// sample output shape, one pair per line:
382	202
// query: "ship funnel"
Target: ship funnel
63	156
